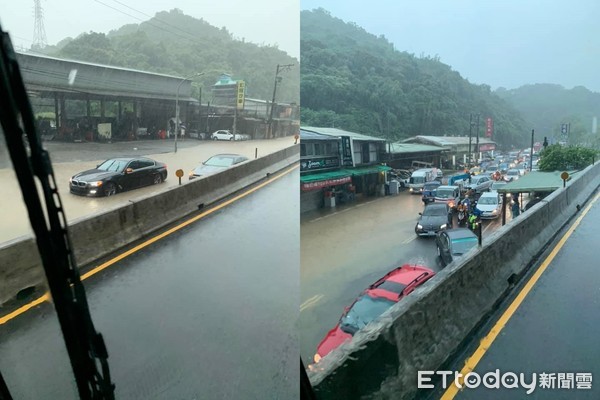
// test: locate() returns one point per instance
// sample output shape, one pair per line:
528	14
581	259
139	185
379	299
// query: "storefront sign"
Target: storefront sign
489	128
328	182
319	163
487	146
347	156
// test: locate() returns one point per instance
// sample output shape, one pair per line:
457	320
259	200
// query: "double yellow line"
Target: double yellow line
487	341
94	271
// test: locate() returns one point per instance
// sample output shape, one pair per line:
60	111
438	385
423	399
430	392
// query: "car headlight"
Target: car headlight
71	180
451	204
419	226
317	358
96	184
444	226
494	211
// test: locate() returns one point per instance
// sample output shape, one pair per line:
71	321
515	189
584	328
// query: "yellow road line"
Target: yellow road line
148	242
487	341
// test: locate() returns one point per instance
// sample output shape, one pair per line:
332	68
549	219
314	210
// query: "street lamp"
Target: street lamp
177	104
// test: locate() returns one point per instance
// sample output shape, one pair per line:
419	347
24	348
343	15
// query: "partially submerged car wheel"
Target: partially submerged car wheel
158	179
110	189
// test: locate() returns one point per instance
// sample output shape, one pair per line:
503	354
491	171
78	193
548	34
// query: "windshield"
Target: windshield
150	83
487	200
113	165
219	161
364	310
512	172
435	211
444	193
417	179
461	246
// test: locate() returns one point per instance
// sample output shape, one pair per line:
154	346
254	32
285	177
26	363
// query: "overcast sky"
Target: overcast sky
259	21
505	43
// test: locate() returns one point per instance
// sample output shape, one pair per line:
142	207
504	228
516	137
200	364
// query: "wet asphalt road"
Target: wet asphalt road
210	312
345	251
555	330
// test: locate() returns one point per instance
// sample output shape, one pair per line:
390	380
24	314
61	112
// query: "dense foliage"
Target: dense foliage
562	158
176	44
547	107
354	80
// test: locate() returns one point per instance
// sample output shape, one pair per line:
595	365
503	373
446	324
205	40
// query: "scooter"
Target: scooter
462	216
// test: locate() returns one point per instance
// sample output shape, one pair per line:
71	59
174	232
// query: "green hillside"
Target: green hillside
546	107
354	80
177	44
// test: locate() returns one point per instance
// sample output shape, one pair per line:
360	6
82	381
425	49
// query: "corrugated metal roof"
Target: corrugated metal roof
396	148
448	140
308	135
340	132
535	181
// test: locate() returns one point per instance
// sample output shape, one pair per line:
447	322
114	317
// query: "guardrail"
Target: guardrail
423	331
98	235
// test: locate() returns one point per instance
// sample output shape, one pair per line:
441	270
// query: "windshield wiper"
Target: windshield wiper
84	345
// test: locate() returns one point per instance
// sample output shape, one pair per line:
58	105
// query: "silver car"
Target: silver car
216	164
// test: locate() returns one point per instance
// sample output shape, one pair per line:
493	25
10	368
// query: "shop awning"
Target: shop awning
373	169
325	179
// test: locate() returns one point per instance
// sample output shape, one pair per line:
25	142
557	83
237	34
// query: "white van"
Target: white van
419	177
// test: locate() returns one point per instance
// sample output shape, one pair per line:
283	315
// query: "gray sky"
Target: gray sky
265	22
505	43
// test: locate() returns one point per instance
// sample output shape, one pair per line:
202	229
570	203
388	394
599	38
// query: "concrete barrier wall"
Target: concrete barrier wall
423	331
96	236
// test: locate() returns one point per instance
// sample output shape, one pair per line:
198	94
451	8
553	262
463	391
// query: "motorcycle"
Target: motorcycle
462	216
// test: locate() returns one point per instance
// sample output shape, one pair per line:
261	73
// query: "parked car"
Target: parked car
435	217
118	175
222	135
479	183
453	243
215	164
240	136
490	205
373	302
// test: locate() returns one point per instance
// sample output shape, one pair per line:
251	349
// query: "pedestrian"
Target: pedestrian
516	208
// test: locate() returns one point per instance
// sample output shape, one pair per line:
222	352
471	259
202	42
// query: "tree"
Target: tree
561	158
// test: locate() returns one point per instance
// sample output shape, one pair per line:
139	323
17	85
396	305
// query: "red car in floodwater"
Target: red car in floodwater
372	302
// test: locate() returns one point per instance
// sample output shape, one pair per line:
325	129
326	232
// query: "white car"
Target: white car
222	135
490	205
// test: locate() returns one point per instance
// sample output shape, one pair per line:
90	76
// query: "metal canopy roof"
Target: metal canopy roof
339	132
60	75
396	148
536	181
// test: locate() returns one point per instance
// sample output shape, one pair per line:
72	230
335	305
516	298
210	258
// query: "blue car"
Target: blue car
429	189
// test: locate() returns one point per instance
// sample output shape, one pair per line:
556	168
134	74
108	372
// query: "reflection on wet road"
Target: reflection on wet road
208	313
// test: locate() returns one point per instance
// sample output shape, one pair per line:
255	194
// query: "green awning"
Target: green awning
323	176
372	169
535	181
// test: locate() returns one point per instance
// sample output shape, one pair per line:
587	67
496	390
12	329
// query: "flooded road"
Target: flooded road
343	252
209	312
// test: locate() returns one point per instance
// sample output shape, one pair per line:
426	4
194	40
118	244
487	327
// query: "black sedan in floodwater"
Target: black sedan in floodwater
118	175
434	218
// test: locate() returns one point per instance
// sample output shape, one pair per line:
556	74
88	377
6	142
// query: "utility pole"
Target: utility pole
477	145
531	152
280	68
470	135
